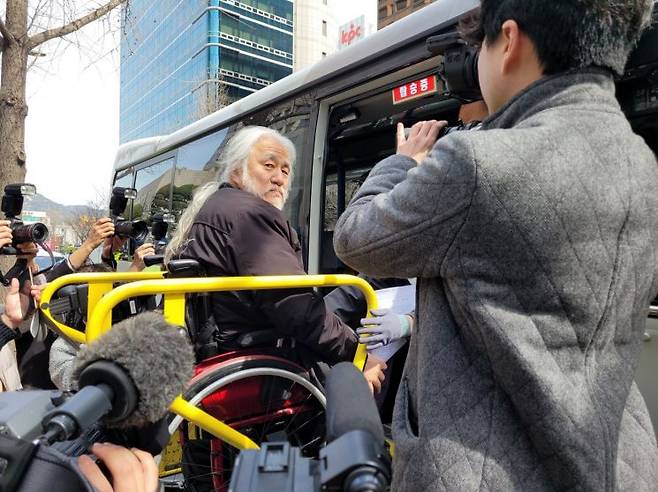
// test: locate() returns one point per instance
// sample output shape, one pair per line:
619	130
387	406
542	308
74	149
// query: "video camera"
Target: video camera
459	73
133	229
119	401
354	460
459	70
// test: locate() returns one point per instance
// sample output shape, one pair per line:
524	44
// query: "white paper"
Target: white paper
400	300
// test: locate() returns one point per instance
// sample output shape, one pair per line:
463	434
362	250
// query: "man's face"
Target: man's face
507	65
489	69
268	169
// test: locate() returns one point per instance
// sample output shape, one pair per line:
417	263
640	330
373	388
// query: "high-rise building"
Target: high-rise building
391	10
183	59
315	31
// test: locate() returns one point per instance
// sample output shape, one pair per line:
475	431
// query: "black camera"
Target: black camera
134	229
459	126
159	228
12	206
355	459
459	70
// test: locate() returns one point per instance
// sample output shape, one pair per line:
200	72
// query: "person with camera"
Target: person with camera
534	243
34	348
16	307
113	245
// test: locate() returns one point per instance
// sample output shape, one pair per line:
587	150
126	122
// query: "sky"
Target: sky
72	128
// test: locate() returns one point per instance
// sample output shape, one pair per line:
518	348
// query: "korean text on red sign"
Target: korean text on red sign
412	90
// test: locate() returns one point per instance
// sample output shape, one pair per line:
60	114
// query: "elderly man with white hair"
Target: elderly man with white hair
235	227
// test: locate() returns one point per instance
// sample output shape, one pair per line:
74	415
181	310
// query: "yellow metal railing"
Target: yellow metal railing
99	285
174	292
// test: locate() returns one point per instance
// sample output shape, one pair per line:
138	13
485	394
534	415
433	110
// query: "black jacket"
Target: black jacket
236	233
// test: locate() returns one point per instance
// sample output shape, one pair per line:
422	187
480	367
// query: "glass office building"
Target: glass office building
183	59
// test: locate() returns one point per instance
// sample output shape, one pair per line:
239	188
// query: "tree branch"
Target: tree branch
5	35
59	32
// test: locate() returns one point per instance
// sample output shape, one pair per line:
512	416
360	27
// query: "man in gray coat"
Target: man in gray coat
534	243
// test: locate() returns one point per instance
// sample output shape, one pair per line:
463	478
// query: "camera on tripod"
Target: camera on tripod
133	229
12	206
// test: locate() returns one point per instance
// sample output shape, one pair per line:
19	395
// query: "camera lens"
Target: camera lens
32	233
136	229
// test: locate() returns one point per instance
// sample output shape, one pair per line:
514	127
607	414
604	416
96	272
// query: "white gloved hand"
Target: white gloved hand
385	327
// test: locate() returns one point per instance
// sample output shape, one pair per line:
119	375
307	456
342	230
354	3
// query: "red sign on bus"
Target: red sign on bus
412	90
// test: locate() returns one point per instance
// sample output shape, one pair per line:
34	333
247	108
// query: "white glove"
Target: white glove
383	328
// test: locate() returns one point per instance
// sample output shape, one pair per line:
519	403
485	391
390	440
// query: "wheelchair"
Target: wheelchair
236	399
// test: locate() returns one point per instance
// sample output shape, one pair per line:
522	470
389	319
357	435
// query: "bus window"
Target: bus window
124	179
196	164
153	184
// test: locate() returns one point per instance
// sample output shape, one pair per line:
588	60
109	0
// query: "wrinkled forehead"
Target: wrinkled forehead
268	148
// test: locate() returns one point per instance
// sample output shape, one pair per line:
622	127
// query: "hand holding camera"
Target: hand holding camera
18	238
18	304
146	249
12	206
422	137
101	230
131	469
5	233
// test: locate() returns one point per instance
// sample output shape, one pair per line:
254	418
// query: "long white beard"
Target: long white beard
250	187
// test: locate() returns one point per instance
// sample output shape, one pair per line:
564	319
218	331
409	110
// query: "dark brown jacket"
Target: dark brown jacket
236	233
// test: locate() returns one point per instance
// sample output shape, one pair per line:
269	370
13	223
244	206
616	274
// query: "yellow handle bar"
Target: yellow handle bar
99	285
174	291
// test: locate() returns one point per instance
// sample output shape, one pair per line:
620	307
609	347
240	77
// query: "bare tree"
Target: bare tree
211	95
22	32
82	220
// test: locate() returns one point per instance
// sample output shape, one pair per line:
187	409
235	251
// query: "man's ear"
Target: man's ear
513	45
235	177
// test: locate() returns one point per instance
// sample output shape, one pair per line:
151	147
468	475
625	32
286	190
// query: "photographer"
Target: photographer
34	348
534	243
13	313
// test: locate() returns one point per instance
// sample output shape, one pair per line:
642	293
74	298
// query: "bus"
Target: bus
341	114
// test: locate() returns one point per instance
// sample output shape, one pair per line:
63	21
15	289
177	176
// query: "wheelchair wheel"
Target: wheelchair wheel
266	398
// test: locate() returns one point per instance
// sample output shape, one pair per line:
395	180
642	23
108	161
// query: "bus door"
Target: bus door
355	131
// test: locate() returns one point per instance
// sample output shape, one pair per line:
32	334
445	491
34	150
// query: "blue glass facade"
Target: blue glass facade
179	58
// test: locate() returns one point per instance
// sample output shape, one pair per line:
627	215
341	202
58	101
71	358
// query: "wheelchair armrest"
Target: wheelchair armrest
255	338
151	260
184	268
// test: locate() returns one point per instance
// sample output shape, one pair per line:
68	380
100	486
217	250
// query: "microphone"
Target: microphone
350	404
127	377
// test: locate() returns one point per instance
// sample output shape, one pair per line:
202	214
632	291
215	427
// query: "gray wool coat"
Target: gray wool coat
534	243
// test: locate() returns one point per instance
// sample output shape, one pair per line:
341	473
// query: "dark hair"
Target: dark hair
95	268
567	34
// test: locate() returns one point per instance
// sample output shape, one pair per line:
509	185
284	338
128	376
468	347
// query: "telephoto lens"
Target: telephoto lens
31	233
135	229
